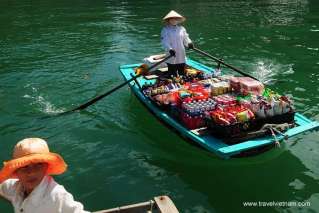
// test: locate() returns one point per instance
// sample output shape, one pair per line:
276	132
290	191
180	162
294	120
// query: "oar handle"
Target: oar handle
85	105
222	62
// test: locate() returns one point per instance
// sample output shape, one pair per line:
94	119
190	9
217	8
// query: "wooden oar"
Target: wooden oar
94	100
221	62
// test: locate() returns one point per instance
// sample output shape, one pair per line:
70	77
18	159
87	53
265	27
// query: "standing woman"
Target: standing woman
174	39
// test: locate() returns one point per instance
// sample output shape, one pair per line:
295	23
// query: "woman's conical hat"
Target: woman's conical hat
173	14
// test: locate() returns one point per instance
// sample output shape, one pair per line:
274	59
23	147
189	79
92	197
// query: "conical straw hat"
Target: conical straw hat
173	14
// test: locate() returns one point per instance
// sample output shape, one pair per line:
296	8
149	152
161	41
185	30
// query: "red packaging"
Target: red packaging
234	83
192	122
173	98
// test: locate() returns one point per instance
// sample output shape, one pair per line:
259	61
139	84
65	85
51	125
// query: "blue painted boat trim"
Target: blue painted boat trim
208	141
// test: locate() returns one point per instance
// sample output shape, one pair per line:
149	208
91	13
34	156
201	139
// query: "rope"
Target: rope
278	128
277	144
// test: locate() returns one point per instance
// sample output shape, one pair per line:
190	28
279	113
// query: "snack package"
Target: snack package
246	85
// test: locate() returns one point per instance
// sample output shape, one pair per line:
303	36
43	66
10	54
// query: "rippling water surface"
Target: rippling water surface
56	55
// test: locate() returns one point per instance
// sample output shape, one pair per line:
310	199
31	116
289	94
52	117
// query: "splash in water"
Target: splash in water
265	72
269	73
44	105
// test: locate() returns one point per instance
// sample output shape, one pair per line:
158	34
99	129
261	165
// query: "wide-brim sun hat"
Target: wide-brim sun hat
174	14
29	151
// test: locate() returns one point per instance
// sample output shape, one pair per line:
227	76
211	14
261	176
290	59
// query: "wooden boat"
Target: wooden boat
160	204
208	141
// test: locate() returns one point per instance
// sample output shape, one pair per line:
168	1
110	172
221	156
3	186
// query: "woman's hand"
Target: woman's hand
190	46
172	52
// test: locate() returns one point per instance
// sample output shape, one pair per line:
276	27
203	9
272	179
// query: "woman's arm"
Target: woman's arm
165	40
186	39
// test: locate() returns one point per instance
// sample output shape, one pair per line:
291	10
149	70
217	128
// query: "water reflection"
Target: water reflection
288	184
282	12
265	12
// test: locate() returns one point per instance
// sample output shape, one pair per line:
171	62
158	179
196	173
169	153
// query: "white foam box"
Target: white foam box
154	59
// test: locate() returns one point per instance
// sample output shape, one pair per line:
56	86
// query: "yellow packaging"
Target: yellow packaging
242	116
214	91
220	90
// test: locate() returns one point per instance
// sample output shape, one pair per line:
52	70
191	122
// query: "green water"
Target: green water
55	55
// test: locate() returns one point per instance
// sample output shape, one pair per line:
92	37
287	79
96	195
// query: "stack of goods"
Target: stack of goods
246	85
193	102
231	115
225	100
163	93
227	104
193	112
269	107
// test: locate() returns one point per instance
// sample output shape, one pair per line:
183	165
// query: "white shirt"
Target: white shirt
47	197
176	38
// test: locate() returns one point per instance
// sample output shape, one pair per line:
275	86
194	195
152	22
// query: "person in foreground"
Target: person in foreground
26	182
174	39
